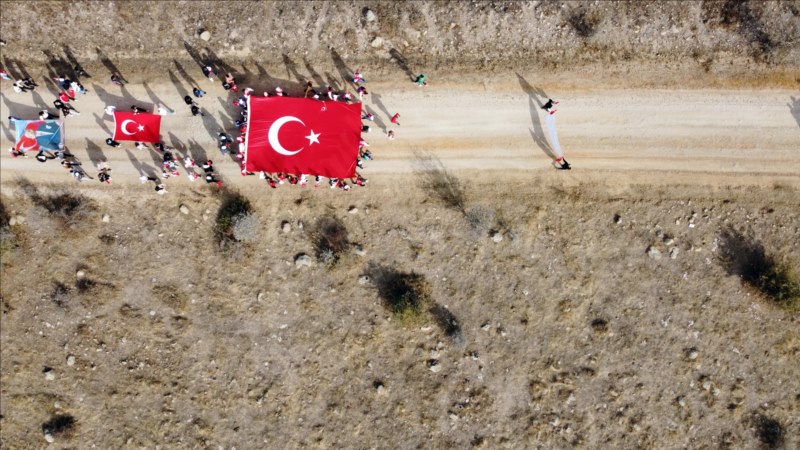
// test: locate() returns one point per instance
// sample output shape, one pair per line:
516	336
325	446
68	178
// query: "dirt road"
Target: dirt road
651	136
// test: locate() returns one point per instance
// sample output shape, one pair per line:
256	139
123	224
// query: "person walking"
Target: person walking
43	156
196	111
110	110
421	80
104	175
208	72
116	80
112	143
198	92
362	91
396	119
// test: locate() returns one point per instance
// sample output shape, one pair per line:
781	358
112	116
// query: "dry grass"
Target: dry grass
438	183
529	334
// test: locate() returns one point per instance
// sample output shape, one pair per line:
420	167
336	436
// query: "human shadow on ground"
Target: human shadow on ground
535	94
380	123
73	62
401	61
143	169
344	70
122	102
109	64
56	67
7	131
315	76
95	153
178	85
18	109
794	108
189	80
197	152
100	122
208	57
154	98
291	70
376	99
18	72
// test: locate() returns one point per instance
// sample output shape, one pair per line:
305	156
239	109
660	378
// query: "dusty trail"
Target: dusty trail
654	136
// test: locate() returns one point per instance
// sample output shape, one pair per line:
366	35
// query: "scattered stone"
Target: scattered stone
617	219
303	260
184	209
71	360
653	252
363	279
286	226
205	35
358	249
80	274
106	218
370	16
497	237
12	221
49	438
49	375
377	42
434	365
486	326
673	252
352	210
260	296
693	354
379	387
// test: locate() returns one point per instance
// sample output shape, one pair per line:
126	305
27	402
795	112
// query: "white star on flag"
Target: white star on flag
141	127
313	138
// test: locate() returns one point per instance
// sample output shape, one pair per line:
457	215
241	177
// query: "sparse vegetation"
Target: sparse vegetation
330	240
405	294
246	227
438	183
481	220
70	208
235	207
584	24
60	425
769	432
742	255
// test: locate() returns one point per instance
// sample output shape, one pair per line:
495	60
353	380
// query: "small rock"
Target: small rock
486	326
693	354
260	296
49	375
49	438
286	226
205	35
497	237
370	16
71	360
653	252
363	279
184	209
352	210
673	252
359	250
434	365
12	221
303	260
380	390
106	218
80	274
377	42
205	217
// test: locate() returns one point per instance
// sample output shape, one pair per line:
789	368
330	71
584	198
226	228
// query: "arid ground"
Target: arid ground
470	296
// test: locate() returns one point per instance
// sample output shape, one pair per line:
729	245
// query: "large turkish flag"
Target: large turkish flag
302	136
140	127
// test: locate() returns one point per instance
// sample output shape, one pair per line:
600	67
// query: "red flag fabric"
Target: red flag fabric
302	136
137	127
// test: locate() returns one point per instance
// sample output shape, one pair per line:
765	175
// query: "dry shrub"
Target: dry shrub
235	207
61	425
585	25
405	294
768	431
742	255
737	16
60	294
246	228
8	240
481	220
438	183
70	208
330	240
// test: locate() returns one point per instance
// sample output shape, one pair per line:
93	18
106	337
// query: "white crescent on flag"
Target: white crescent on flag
273	135
124	130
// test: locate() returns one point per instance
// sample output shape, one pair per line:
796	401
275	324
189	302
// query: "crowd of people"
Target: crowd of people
70	90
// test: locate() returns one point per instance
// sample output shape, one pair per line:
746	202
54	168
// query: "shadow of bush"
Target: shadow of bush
745	257
405	294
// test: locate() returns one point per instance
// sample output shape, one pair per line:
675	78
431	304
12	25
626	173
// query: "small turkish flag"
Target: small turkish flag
302	136
137	127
